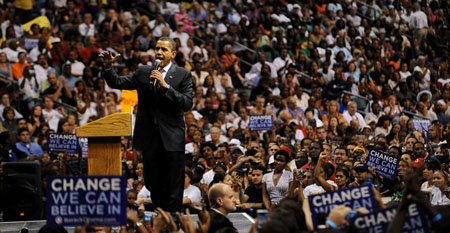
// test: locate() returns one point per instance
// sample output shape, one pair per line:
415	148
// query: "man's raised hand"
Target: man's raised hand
108	58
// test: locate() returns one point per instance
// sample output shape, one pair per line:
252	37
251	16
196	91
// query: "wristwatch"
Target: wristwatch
138	224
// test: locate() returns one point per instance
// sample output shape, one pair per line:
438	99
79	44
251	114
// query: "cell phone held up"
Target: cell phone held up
261	214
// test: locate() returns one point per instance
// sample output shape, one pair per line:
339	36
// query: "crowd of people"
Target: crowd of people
339	78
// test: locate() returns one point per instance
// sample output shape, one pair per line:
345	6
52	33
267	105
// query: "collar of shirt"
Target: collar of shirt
166	69
214	209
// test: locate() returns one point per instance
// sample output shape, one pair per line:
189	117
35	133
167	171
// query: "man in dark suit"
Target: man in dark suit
222	201
163	96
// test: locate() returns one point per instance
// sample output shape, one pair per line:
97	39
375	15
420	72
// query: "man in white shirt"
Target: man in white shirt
157	25
198	74
77	66
180	34
375	113
419	23
40	49
334	6
354	18
351	114
256	68
281	63
13	50
87	28
42	69
191	193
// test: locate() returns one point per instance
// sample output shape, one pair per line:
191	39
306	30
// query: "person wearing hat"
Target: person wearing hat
295	13
440	108
180	34
235	153
361	175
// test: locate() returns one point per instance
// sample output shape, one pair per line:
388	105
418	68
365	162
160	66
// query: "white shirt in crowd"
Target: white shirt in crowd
193	193
357	116
437	198
52	118
86	30
418	20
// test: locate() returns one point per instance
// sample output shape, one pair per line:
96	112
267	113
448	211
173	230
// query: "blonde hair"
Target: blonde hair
331	103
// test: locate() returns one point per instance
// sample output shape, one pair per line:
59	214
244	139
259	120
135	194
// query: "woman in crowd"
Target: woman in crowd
8	119
41	135
439	193
35	120
194	146
278	184
63	126
333	110
429	166
5	67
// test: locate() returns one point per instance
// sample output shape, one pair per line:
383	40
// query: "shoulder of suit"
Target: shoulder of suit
180	69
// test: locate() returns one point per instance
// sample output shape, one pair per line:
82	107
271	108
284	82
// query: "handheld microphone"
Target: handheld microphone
157	63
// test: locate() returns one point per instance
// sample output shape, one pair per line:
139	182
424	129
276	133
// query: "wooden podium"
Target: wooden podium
104	156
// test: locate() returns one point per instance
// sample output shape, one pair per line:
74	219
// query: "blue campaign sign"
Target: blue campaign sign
260	122
378	221
58	142
385	165
71	200
357	197
83	142
422	125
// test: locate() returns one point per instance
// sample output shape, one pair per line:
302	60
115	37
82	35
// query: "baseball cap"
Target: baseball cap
234	148
361	167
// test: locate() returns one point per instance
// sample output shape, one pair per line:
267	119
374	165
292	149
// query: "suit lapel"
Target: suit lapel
171	74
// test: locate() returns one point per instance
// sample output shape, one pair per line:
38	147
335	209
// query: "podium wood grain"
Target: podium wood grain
104	157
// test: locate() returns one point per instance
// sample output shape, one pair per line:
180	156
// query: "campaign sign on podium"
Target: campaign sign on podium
72	200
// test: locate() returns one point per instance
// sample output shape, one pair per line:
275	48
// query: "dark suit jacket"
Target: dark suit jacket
219	221
166	106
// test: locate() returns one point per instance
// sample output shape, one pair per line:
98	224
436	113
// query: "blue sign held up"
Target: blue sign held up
422	125
72	200
378	221
58	142
260	122
385	165
357	197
